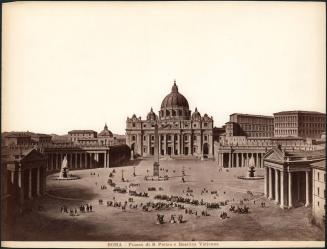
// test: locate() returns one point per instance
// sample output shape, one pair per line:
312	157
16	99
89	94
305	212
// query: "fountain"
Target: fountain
251	171
64	171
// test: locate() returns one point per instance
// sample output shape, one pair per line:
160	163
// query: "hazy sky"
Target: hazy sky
78	65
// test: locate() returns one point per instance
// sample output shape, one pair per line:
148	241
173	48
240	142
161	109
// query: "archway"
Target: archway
132	151
205	150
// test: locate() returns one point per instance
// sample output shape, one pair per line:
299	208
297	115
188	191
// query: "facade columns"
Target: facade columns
270	184
282	197
266	180
21	185
229	159
105	160
30	184
290	200
12	176
307	200
276	186
108	158
173	144
38	182
92	159
85	160
262	155
55	161
76	164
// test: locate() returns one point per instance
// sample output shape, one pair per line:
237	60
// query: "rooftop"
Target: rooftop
251	115
299	111
82	131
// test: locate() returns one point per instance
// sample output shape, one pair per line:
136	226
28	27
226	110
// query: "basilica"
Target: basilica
181	132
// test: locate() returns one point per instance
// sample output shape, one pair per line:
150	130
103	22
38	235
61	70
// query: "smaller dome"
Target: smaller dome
151	115
196	115
105	132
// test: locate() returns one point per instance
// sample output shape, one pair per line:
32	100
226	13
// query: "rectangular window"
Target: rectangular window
318	176
205	124
194	138
152	138
144	138
205	138
318	191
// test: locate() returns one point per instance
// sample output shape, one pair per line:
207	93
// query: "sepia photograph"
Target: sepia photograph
163	124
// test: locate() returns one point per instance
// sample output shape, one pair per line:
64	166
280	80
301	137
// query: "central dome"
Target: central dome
174	99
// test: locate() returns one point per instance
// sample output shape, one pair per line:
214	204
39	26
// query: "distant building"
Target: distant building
13	139
181	132
304	124
25	139
83	135
319	192
250	125
41	139
288	179
105	137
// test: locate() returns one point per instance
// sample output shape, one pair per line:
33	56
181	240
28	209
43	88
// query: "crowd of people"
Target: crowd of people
74	212
173	220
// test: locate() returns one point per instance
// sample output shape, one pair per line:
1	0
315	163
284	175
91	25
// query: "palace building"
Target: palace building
250	125
304	124
180	131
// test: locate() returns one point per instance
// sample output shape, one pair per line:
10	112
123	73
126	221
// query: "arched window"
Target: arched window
173	113
167	113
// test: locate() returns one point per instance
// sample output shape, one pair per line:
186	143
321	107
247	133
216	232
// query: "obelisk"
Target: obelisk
156	151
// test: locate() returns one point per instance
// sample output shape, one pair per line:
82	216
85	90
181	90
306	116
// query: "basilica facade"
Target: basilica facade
181	132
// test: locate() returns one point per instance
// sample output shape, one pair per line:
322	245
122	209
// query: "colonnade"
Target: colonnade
239	159
25	181
280	186
178	144
77	160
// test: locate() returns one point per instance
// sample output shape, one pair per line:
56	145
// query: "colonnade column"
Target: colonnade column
262	159
229	159
108	159
85	160
282	190
76	164
20	184
30	184
266	186
173	144
290	200
276	186
38	182
257	160
307	200
270	183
